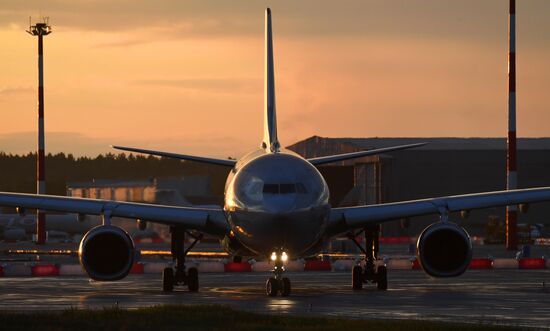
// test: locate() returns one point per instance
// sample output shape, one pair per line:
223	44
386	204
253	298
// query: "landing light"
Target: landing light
284	257
273	256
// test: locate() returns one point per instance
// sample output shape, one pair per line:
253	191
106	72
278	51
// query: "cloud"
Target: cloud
210	85
476	20
10	91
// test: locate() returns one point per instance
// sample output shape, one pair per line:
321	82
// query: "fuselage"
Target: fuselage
276	202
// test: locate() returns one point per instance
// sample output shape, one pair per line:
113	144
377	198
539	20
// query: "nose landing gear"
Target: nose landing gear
180	276
278	283
372	273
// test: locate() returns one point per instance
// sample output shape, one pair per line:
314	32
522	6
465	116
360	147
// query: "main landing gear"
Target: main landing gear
277	283
180	276
372	273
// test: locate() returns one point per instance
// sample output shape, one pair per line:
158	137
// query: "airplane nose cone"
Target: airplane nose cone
280	204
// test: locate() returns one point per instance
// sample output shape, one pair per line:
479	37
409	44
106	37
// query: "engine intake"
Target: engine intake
107	253
444	250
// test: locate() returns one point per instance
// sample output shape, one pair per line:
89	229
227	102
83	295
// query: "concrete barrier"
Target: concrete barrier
532	263
415	265
297	265
478	263
211	267
44	270
137	269
505	263
237	267
317	265
71	270
399	264
262	266
154	267
17	270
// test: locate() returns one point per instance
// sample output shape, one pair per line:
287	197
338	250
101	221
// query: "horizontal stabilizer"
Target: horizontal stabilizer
354	155
223	162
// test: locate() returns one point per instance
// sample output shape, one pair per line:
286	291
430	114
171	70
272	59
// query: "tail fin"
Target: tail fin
270	115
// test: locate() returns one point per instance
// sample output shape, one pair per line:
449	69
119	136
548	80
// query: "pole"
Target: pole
40	173
511	164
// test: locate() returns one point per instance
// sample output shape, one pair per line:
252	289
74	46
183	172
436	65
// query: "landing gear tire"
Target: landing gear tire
357	278
167	280
382	278
193	279
285	288
272	287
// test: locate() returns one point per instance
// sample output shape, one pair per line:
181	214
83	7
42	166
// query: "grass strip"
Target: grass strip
206	317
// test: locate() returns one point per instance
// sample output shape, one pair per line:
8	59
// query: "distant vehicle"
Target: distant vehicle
276	207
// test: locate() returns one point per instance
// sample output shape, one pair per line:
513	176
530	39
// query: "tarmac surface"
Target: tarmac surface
505	297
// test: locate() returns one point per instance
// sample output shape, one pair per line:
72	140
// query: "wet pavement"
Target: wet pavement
509	297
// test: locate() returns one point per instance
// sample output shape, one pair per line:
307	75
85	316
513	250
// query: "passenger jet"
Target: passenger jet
276	206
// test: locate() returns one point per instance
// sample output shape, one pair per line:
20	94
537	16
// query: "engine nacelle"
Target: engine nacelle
444	250
107	253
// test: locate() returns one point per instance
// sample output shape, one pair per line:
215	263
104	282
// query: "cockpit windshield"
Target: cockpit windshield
284	188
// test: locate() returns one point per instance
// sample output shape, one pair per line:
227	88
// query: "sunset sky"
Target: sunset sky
187	76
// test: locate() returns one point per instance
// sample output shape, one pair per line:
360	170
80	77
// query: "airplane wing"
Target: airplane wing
209	220
223	162
354	155
344	219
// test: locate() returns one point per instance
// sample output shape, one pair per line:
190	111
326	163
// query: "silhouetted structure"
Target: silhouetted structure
40	30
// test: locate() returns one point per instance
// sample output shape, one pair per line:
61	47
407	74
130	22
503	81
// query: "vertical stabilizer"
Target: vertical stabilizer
270	142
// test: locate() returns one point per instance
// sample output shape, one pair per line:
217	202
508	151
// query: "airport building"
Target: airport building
445	166
175	191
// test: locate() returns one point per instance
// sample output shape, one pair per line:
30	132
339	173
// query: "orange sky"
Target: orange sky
187	76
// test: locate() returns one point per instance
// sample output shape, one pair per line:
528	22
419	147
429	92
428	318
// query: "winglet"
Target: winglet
270	141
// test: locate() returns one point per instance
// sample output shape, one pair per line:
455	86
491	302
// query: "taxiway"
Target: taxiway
510	297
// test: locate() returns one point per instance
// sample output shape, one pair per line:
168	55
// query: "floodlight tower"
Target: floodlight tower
40	29
511	160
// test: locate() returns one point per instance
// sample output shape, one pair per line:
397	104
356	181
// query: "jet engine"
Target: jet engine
444	249
107	253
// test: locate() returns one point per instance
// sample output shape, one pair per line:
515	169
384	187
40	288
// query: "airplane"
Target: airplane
276	206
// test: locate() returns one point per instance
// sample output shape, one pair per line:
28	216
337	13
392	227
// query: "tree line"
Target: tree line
18	172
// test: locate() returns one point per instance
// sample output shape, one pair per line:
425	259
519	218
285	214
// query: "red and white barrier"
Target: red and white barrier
71	270
137	269
295	266
415	265
154	267
399	264
317	265
532	263
262	266
44	270
481	264
505	263
237	267
211	267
